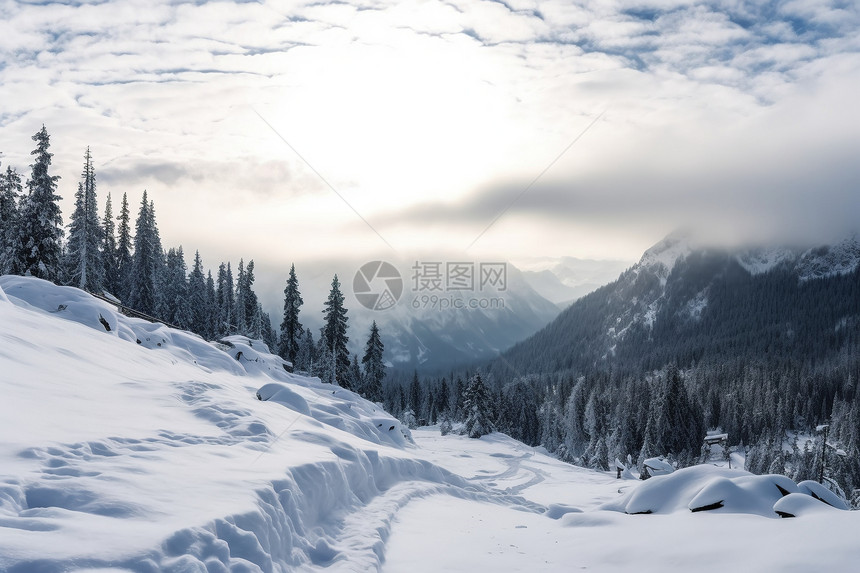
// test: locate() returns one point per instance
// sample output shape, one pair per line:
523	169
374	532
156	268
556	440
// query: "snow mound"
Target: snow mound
709	488
798	504
351	413
75	305
743	494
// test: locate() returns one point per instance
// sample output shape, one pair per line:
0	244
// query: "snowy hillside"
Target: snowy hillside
128	446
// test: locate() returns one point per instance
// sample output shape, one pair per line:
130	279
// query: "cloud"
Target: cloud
433	113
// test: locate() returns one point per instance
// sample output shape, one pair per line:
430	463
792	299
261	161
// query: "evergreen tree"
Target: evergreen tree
519	413
172	301
225	301
334	334
291	328
445	399
83	261
211	308
147	260
306	356
10	243
356	380
267	332
415	393
124	261
110	265
240	319
197	304
374	367
248	314
41	224
478	408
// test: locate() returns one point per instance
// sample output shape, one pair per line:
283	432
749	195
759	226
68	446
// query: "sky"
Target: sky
485	129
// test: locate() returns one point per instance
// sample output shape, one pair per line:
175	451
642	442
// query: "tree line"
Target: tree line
101	254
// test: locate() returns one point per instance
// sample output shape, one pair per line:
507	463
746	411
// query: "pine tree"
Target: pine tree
172	300
109	251
239	318
334	334
248	315
211	308
374	367
307	353
41	224
291	328
124	261
267	332
197	303
415	394
83	261
477	406
356	380
147	260
225	301
10	243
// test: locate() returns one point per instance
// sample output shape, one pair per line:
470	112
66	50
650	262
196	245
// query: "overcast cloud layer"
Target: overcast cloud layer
431	118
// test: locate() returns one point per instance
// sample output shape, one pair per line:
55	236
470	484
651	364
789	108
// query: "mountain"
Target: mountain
433	315
562	280
437	330
686	303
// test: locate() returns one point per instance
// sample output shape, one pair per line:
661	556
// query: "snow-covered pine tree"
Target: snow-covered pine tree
356	380
597	426
41	223
83	260
211	308
109	251
478	409
374	367
267	331
10	243
197	303
124	261
291	328
240	319
172	300
147	260
307	353
225	301
248	315
334	333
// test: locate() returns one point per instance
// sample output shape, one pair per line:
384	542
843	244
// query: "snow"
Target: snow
661	258
176	454
839	259
762	260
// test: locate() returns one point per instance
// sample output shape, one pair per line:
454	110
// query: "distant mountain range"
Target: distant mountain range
685	303
432	326
562	280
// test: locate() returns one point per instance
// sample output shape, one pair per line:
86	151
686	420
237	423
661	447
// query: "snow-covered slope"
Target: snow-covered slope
146	448
128	446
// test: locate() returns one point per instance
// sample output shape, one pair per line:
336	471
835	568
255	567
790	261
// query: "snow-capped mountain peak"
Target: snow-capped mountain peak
662	257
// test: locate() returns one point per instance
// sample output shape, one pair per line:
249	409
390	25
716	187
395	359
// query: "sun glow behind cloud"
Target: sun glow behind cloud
429	118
